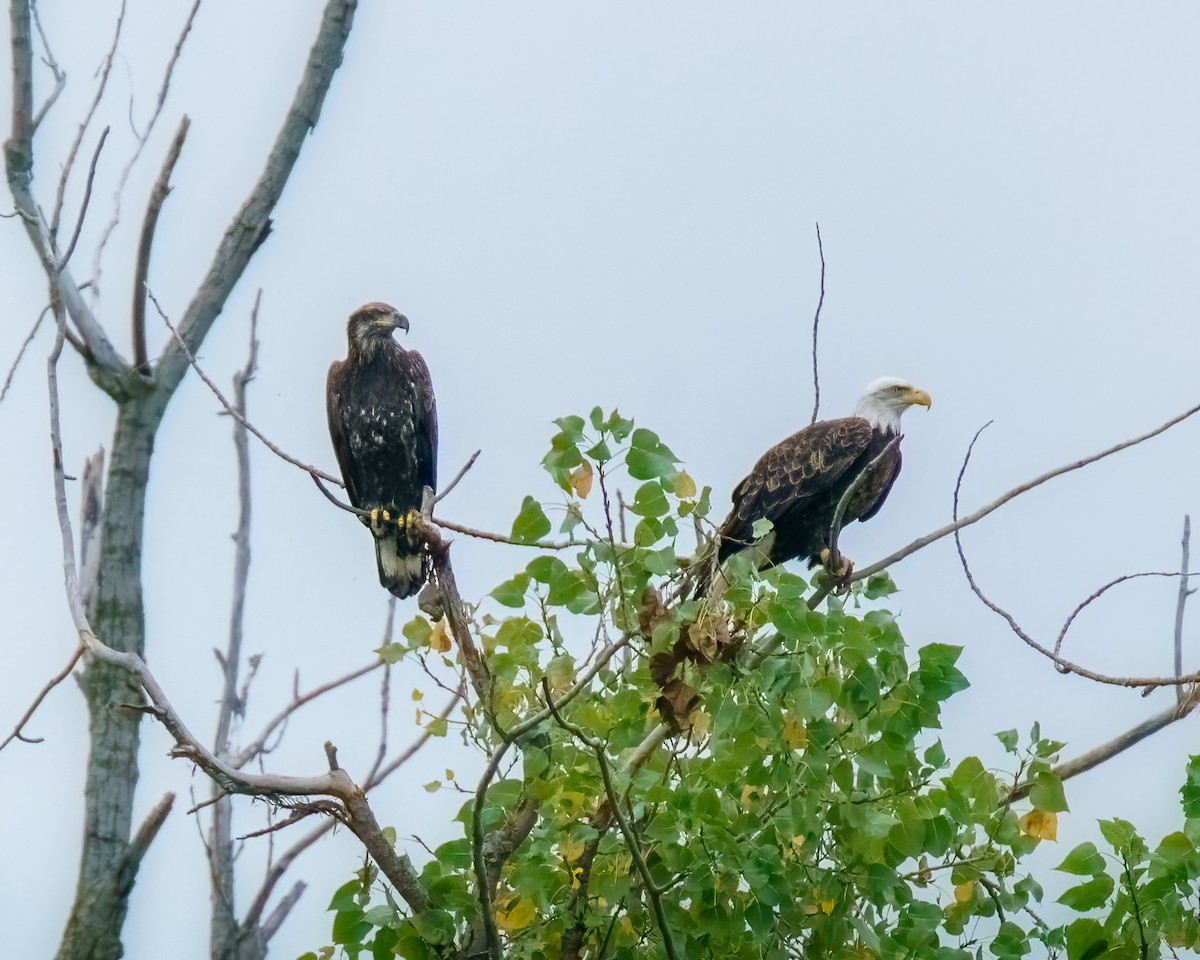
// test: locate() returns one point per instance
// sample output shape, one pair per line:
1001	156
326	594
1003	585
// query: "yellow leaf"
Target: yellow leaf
571	849
581	480
521	915
449	774
795	734
418	695
965	892
439	641
749	792
827	906
685	486
793	848
1042	824
701	722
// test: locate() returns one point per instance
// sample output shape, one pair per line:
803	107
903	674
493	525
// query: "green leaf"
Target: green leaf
511	593
1190	791
1090	895
648	458
761	527
879	585
531	523
1084	860
517	633
1086	940
1008	738
1119	833
571	426
545	569
600	452
597	419
1047	793
392	653
649	501
417	631
349	927
1010	941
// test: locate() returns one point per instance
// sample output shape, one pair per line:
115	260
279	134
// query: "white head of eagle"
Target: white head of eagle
798	483
383	423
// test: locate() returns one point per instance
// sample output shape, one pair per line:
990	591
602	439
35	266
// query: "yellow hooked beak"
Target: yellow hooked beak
917	397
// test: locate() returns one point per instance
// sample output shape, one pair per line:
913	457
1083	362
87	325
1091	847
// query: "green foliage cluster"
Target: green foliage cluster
800	805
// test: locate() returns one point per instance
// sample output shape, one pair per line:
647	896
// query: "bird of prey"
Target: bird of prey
798	483
383	422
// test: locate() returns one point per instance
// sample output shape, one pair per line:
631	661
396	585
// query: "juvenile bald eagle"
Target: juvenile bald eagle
383	422
798	483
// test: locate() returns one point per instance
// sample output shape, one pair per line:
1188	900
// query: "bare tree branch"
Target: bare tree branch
922	542
60	78
87	199
1184	593
37	702
252	223
815	324
72	154
224	928
458	476
142	138
158	196
1135	735
1065	666
229	407
1097	594
12	371
281	865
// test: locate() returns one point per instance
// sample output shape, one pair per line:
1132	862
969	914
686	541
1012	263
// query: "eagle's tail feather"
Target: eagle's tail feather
402	570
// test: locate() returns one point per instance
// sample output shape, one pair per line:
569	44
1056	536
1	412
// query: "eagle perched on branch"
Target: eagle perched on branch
798	483
383	421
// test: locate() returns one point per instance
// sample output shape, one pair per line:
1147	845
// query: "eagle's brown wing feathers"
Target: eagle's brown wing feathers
790	475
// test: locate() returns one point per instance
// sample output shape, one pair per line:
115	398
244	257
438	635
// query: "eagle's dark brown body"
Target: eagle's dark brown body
798	483
383	422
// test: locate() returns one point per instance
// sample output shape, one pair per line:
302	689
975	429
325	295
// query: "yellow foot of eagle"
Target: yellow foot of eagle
844	568
382	519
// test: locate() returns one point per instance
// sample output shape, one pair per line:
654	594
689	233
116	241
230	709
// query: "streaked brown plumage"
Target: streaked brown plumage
798	483
383	423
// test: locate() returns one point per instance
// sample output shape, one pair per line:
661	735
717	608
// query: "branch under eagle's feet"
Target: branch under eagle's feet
838	568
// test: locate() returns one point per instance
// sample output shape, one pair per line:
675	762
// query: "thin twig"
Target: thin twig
839	513
922	542
458	476
60	78
225	928
229	408
1184	593
141	273
28	715
250	225
277	870
255	747
142	138
101	85
816	323
87	199
1116	581
500	538
1066	665
21	353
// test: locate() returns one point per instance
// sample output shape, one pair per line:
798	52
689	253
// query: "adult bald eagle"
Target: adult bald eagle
383	422
798	483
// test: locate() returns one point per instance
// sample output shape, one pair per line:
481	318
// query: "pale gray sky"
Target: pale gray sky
614	204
